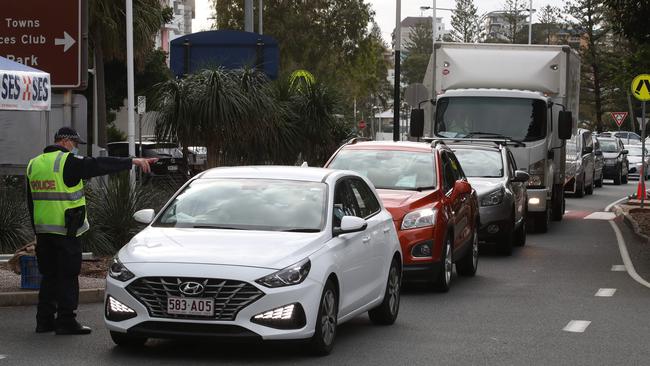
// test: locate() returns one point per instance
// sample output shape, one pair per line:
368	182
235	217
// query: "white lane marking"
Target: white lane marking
609	207
577	326
601	216
629	267
618	268
605	292
2	357
626	256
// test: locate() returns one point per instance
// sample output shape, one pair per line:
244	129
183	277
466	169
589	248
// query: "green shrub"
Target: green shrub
15	225
111	206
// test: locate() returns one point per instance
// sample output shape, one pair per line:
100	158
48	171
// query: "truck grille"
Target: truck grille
229	296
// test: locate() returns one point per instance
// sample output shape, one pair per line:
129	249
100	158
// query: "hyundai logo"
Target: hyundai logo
172	161
191	288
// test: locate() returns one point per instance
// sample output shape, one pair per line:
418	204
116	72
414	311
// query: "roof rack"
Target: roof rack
354	140
496	141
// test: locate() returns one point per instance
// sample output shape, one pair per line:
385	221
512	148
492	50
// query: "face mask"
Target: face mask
75	151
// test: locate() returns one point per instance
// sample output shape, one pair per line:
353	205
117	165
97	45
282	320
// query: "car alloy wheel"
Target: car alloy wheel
328	317
394	286
448	263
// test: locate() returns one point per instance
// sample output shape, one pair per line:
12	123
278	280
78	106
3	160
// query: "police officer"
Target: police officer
57	205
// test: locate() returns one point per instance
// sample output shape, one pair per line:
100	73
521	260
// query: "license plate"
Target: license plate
172	168
190	306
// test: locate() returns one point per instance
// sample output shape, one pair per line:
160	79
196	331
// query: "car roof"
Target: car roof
306	174
389	145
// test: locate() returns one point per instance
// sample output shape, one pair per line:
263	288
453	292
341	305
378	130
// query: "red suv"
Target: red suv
434	208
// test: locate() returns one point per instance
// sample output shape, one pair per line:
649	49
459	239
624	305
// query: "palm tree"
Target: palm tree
107	36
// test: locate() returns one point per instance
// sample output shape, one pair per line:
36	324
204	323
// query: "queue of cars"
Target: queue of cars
290	253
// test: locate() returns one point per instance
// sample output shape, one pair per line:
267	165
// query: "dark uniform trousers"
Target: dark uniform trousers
59	261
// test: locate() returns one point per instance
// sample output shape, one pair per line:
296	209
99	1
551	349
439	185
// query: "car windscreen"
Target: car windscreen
390	169
163	152
480	163
248	204
517	118
608	146
571	150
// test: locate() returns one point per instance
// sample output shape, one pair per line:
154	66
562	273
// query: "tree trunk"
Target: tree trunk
212	152
101	89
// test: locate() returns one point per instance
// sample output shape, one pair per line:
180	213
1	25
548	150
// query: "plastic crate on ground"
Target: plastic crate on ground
30	276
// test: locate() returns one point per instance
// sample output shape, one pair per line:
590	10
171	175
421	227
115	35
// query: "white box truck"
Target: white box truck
525	93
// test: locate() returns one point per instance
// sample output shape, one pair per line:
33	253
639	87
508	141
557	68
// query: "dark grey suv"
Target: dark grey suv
491	170
615	155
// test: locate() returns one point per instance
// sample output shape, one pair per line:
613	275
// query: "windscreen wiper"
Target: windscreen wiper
494	135
425	188
217	227
301	230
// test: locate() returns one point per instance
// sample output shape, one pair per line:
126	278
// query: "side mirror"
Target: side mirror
565	122
462	187
598	153
416	128
624	152
144	216
521	176
350	224
588	150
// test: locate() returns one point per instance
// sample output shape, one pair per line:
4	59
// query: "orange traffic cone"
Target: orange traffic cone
640	190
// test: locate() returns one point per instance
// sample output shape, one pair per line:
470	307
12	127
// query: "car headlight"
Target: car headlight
419	218
292	275
493	198
119	272
536	172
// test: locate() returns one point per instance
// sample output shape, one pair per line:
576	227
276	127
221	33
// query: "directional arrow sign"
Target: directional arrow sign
49	36
619	117
66	41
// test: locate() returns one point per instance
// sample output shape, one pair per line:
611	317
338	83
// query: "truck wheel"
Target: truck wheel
557	208
618	177
580	187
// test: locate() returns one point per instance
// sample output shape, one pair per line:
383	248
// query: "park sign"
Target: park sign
47	35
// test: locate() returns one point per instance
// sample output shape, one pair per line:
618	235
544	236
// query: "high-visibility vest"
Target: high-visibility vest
51	196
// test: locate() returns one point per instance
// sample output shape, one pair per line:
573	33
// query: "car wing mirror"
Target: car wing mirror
350	224
462	187
521	176
565	124
144	216
624	152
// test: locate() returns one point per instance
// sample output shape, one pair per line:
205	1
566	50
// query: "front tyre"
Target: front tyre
442	281
127	340
469	263
386	312
322	342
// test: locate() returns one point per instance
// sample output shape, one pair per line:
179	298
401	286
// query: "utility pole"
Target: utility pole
396	97
248	15
530	23
260	10
130	81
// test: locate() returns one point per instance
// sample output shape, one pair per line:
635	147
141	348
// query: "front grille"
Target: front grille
229	296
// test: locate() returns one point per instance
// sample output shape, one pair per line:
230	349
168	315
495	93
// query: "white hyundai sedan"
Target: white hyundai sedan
267	253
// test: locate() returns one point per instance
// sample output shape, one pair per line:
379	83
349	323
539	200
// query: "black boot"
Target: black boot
45	327
72	327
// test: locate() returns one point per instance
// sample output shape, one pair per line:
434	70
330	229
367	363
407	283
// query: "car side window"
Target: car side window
456	168
345	203
366	200
449	178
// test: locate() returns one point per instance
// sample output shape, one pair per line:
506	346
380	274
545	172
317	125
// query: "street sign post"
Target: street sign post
48	35
641	91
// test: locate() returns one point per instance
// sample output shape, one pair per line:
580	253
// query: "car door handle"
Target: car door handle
366	239
386	230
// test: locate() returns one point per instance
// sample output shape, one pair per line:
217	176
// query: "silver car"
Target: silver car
634	159
492	172
580	172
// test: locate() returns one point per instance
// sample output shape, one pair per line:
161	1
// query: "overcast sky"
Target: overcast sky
385	11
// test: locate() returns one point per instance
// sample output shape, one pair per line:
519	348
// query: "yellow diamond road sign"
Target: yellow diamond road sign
641	87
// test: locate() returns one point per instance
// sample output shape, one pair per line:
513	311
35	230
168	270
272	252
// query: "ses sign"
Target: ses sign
47	35
23	88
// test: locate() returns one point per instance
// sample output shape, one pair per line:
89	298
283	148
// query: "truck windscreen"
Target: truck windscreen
517	118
